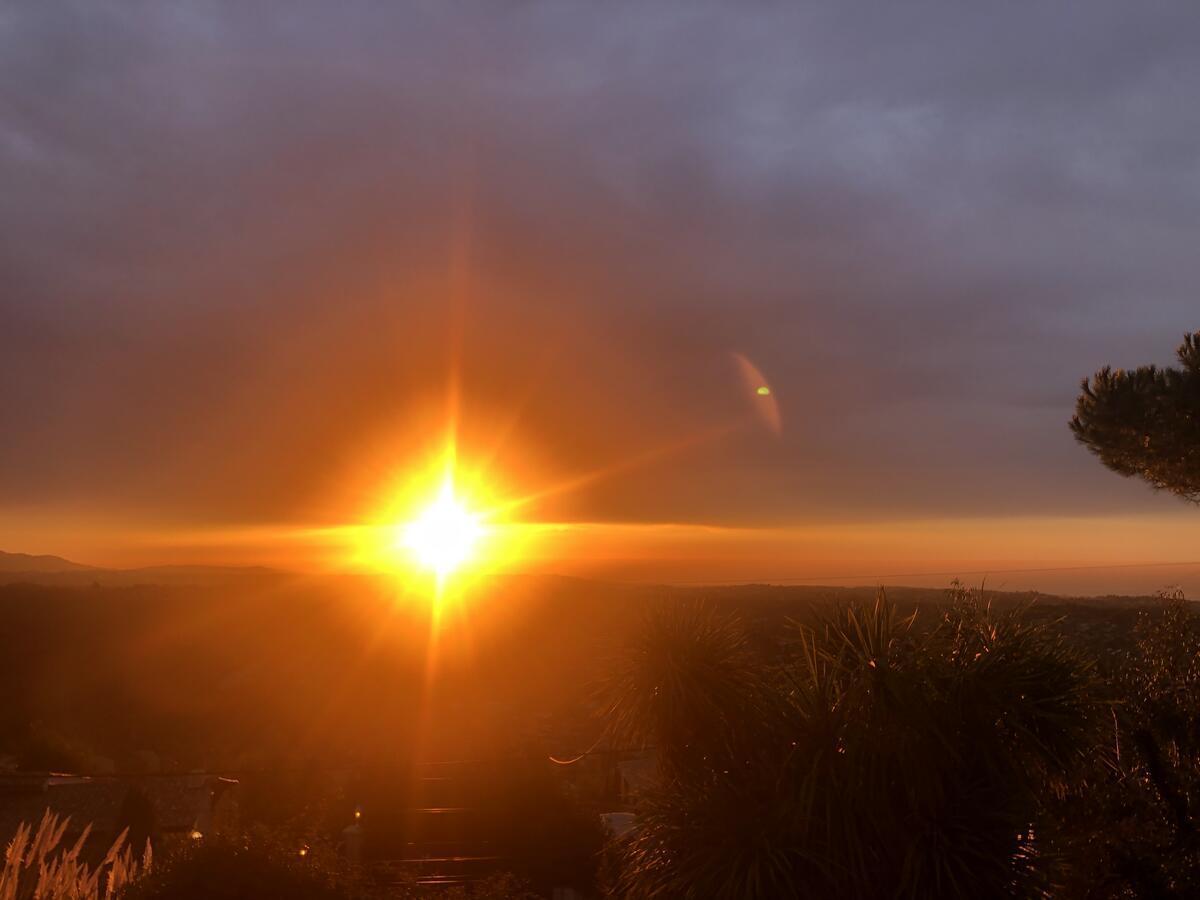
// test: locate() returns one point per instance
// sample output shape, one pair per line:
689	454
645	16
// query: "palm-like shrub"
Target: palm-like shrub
692	688
877	756
691	684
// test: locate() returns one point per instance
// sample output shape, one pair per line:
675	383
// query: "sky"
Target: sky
248	251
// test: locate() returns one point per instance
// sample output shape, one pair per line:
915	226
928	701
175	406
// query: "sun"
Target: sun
445	535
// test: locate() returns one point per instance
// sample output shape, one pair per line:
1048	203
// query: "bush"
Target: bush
875	757
42	748
1132	825
257	867
229	868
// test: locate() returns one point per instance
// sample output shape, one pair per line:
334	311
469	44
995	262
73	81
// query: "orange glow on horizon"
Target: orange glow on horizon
857	551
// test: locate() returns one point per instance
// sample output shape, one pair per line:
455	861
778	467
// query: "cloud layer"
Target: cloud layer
242	247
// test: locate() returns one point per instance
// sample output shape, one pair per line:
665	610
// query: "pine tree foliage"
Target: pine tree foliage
1146	422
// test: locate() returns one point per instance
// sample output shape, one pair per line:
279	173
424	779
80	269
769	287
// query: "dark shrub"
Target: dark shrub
872	757
225	868
1131	826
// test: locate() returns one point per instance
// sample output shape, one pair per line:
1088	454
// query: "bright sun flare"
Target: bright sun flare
444	536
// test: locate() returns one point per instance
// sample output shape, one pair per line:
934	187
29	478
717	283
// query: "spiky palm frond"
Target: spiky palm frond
691	687
723	837
888	760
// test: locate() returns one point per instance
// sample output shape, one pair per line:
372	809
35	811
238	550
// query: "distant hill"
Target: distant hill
191	575
55	571
24	568
28	563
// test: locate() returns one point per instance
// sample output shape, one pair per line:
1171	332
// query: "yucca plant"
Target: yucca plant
691	685
38	867
693	688
883	757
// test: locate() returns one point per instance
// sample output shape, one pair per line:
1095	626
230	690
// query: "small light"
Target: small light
357	814
763	391
195	834
304	850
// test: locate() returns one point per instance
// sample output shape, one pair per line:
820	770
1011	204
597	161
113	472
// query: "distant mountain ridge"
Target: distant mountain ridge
55	570
44	563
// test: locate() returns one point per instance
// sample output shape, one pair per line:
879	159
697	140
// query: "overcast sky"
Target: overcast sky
236	240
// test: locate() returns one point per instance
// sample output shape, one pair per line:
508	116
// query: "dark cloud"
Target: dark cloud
233	238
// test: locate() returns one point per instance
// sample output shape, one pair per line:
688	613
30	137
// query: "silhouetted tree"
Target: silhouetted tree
1146	422
873	758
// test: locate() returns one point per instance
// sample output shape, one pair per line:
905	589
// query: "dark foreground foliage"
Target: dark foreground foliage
257	868
1132	823
869	756
240	868
962	754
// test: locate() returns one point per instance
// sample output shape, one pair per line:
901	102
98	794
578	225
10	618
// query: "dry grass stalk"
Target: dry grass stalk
36	867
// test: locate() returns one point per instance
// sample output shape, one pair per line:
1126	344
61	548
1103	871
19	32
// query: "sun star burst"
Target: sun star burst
445	534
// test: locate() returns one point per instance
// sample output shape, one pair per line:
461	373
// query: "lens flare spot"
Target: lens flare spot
759	393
